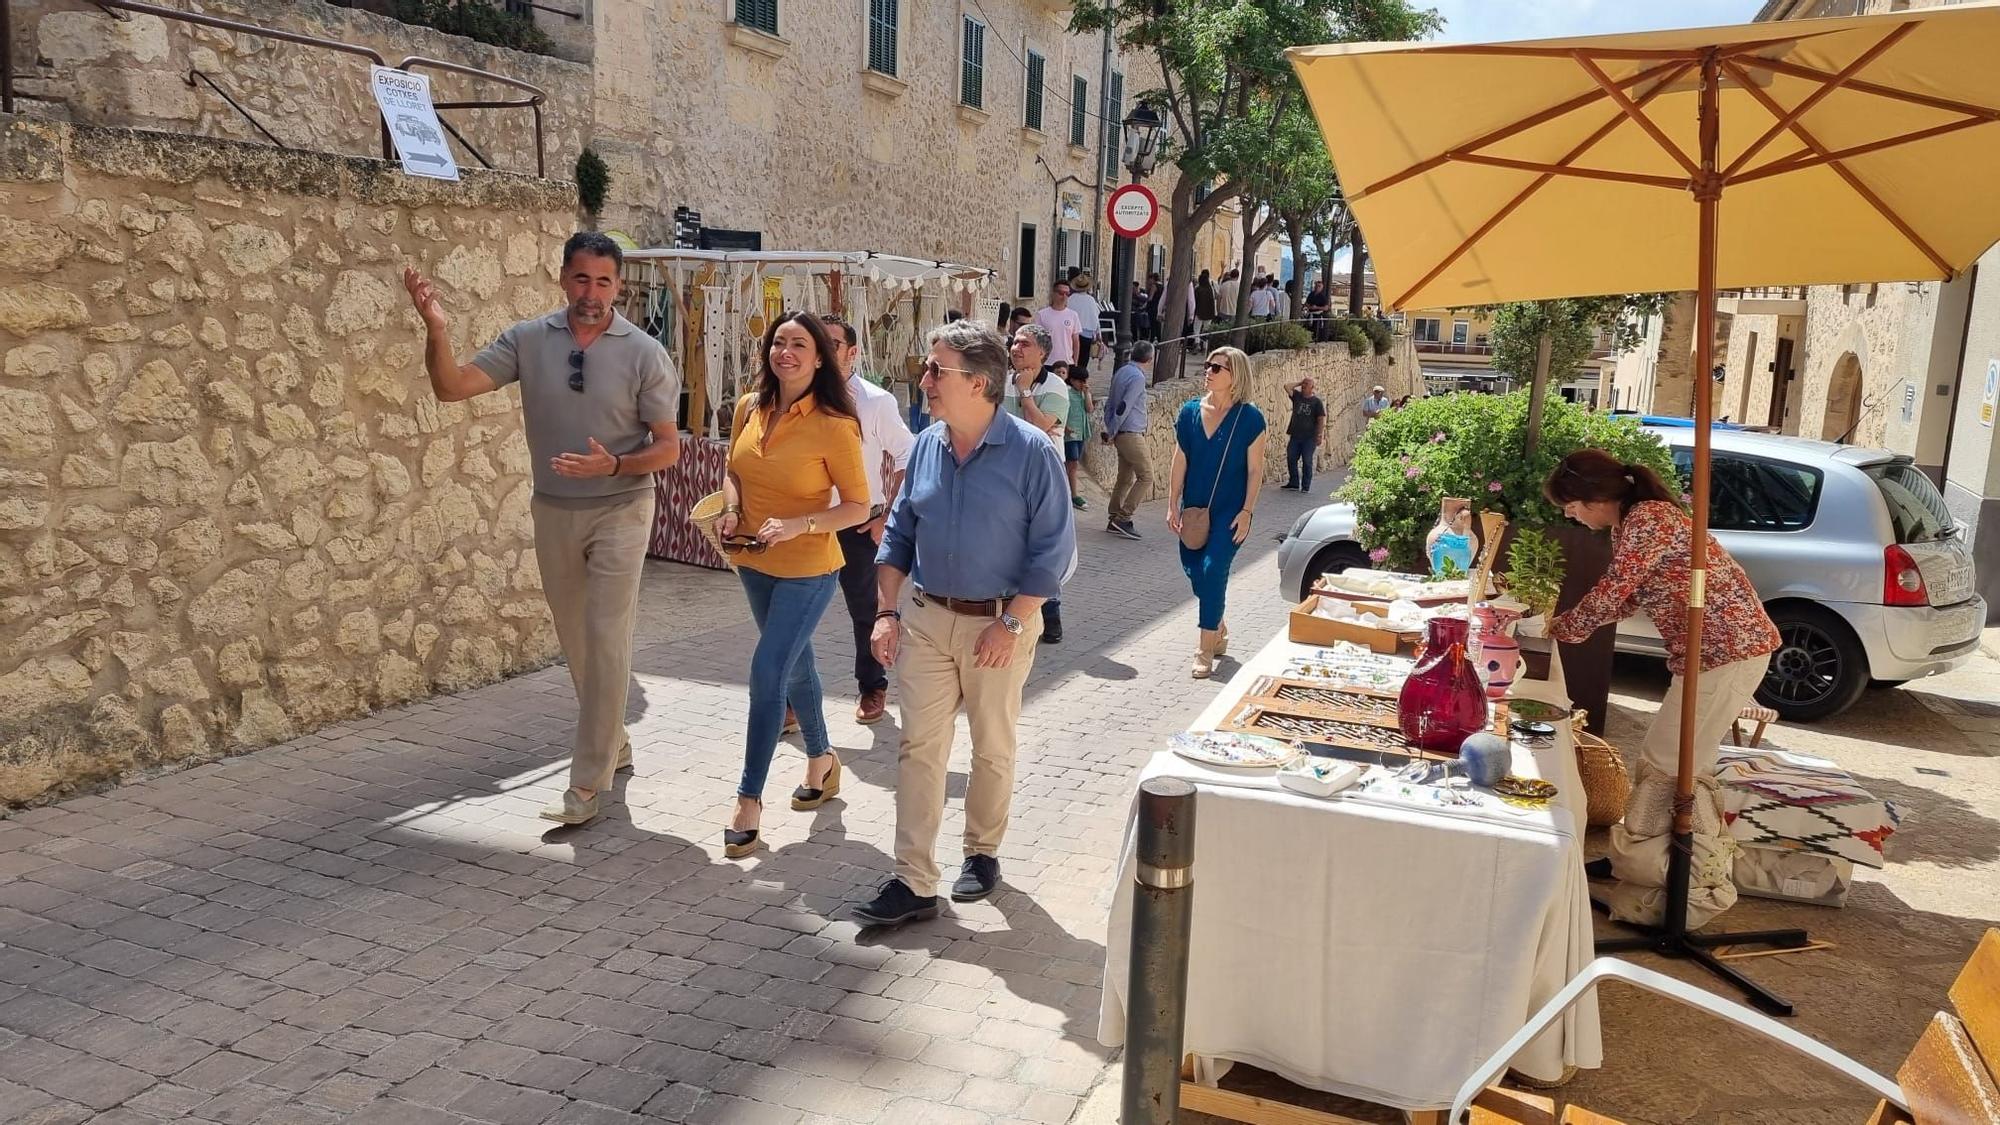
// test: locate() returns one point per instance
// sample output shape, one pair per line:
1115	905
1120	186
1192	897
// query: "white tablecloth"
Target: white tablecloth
1366	948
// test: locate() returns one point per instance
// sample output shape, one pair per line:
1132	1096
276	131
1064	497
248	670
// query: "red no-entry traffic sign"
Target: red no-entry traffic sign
1132	210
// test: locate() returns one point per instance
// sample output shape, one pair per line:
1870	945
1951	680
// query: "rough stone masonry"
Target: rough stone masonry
229	510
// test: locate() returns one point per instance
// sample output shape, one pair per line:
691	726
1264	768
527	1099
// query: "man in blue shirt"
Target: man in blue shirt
982	529
1125	431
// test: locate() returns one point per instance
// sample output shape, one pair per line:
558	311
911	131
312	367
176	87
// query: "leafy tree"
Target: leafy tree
1226	91
1573	324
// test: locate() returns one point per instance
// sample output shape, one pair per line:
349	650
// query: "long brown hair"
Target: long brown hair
1592	474
829	386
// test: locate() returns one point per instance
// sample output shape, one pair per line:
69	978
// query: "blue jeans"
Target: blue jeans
1299	461
781	670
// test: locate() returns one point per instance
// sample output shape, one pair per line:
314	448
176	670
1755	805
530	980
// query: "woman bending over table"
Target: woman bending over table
1218	465
1651	541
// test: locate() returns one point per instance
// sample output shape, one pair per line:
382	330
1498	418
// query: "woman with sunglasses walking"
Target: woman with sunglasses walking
1212	492
795	441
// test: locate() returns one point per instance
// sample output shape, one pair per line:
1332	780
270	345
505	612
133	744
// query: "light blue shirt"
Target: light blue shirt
992	526
1125	407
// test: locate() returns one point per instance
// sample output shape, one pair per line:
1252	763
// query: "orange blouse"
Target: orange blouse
788	466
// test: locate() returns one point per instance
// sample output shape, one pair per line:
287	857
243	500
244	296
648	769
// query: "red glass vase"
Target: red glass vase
1443	701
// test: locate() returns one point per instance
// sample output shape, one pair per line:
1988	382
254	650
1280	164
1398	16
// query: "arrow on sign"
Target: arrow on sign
427	158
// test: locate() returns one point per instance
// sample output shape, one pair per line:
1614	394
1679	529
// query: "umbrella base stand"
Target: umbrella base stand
1672	939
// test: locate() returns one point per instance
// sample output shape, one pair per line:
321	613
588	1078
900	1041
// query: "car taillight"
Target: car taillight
1902	582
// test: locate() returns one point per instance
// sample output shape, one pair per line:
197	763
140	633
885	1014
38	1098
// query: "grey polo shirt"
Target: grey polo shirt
628	382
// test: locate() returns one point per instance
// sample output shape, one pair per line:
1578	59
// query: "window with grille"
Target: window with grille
1114	113
1079	101
972	65
760	14
883	24
1038	69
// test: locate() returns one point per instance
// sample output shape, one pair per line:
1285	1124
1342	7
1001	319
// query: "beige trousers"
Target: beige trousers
590	559
936	673
1135	476
1720	695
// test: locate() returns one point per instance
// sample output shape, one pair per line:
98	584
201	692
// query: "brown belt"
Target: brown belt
990	607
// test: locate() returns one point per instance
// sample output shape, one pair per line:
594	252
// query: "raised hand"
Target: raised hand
424	296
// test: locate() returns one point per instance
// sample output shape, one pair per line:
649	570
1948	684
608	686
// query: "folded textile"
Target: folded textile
1775	799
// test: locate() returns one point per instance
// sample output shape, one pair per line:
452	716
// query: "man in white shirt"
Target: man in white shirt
885	453
1264	300
1225	297
1373	406
1064	327
1085	306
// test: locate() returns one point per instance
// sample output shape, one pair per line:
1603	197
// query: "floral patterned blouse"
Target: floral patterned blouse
1649	571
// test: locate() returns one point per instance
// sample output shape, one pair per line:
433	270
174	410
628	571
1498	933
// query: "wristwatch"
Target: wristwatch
812	524
1011	623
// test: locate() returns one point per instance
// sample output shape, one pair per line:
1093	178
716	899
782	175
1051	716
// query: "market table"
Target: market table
1367	947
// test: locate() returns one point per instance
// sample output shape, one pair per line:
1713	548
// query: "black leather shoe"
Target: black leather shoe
976	879
896	905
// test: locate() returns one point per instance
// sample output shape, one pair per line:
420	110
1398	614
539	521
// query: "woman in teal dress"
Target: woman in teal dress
1218	465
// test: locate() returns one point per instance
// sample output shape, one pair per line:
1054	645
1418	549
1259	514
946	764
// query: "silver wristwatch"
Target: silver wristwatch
1011	623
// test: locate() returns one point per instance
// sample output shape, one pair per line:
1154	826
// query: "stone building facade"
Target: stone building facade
230	509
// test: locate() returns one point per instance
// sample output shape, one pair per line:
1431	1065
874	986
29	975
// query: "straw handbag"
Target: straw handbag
1606	784
707	511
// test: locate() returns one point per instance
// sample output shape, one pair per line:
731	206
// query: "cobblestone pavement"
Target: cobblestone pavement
370	924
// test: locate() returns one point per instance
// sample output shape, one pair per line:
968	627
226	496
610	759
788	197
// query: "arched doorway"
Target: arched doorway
1843	400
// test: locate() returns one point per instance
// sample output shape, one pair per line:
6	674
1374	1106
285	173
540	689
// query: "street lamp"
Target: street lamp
1140	150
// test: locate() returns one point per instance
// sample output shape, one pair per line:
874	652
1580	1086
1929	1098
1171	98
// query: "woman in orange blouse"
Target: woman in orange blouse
796	442
1651	541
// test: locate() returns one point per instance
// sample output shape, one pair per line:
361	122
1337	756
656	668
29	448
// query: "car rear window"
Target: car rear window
1756	495
1916	508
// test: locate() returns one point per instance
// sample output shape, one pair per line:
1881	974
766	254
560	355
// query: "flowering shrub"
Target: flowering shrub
1471	445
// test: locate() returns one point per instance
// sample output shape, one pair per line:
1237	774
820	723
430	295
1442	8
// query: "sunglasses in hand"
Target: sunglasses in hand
748	543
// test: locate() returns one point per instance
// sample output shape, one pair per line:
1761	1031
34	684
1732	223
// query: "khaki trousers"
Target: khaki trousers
936	673
1135	476
1720	696
591	558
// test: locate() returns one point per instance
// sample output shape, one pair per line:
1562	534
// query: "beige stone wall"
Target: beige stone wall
1342	380
74	62
230	510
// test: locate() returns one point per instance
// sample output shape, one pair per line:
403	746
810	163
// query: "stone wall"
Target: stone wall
1342	381
75	62
230	509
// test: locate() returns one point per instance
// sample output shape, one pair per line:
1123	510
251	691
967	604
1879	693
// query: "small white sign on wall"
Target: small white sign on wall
405	101
1991	400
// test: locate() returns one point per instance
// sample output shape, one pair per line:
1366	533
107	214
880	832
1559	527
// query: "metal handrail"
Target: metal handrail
113	8
193	74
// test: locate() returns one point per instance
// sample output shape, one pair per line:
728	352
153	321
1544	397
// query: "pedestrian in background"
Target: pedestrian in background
1064	327
984	532
1038	396
1218	469
601	403
1204	308
1373	406
1076	432
795	442
1225	295
1021	315
1083	302
1156	307
1304	435
1125	432
885	452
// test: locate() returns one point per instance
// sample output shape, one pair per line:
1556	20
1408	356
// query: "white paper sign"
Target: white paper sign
405	101
1991	400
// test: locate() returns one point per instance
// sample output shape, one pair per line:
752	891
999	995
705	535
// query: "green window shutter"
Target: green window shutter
760	14
884	23
1038	68
972	69
1114	112
1079	100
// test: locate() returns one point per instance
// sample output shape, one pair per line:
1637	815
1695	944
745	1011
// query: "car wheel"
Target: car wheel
1819	669
1331	559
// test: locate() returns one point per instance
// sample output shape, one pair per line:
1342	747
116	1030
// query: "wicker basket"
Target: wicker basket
707	512
1606	784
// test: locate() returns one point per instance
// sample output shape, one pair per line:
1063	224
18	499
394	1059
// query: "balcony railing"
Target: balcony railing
1766	293
1447	347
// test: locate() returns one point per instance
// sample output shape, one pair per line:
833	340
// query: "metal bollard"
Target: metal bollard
1156	992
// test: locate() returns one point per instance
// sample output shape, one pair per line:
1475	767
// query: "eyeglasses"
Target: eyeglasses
576	371
1211	365
932	368
750	543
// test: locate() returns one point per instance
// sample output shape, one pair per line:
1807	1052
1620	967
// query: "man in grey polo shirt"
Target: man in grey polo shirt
602	405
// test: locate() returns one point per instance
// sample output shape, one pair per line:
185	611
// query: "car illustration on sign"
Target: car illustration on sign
417	130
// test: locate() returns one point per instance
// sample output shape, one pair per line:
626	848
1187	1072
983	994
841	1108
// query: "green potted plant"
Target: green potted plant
1535	571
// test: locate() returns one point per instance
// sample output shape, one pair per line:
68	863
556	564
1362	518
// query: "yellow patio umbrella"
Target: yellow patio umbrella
1801	152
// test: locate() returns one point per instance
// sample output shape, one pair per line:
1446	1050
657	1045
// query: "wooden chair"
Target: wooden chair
1762	716
1948	1078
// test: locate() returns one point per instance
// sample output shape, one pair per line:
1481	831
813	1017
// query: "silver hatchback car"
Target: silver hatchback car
1859	563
